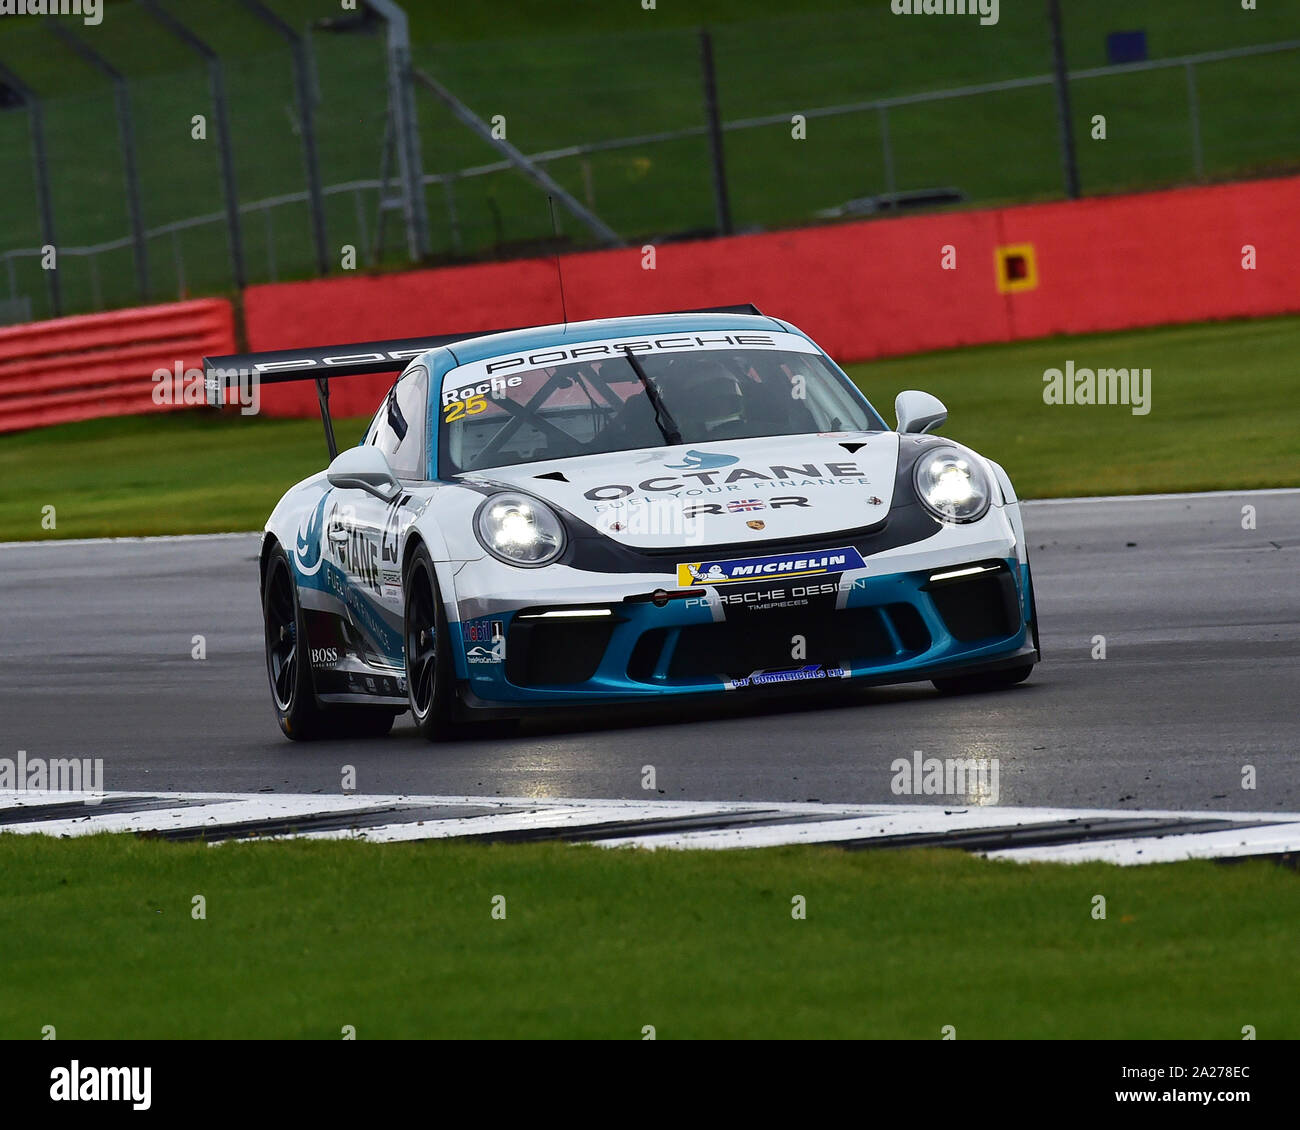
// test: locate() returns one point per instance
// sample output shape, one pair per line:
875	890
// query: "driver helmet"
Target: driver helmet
703	395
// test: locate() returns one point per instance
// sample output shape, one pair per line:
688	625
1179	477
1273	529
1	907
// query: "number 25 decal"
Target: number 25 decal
471	407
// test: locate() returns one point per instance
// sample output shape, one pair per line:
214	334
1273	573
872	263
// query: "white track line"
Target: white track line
1176	497
1271	839
867	825
142	540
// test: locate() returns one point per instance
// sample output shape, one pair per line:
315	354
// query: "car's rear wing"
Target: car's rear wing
323	363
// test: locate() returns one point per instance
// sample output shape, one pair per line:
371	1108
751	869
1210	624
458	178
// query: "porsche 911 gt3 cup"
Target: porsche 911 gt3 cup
627	510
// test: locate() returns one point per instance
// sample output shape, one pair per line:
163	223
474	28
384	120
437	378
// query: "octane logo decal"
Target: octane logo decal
703	461
766	568
307	550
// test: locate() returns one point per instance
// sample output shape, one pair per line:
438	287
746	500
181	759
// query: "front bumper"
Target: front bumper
958	601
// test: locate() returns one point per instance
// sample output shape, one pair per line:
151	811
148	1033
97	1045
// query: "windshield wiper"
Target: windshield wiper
663	418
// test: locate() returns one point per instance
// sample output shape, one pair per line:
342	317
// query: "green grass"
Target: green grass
575	72
1224	406
186	472
301	939
1223	403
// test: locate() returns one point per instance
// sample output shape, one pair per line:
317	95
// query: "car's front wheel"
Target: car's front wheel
429	674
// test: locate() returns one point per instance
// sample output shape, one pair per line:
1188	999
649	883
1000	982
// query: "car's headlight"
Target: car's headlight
519	530
951	485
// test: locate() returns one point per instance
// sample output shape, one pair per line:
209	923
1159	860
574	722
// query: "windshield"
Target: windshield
616	396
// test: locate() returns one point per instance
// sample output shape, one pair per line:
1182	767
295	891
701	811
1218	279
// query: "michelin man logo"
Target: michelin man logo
715	573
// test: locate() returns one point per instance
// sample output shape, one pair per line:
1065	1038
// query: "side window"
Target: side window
398	427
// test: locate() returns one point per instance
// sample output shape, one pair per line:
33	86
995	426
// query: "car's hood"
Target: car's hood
751	490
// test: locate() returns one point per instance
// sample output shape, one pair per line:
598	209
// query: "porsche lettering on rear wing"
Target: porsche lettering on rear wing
353	359
323	363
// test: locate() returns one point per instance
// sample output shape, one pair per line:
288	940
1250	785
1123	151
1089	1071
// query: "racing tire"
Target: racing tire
986	681
430	677
300	716
296	709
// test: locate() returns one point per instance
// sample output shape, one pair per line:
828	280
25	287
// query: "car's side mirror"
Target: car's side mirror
364	468
919	412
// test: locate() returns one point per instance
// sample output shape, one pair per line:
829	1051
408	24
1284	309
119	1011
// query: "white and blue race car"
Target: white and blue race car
624	510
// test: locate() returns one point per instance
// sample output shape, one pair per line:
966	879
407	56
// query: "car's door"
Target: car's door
365	531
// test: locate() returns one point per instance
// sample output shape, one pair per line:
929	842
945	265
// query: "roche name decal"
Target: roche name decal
795	675
465	401
768	568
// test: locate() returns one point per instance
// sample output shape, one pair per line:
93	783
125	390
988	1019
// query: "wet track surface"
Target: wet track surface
1201	620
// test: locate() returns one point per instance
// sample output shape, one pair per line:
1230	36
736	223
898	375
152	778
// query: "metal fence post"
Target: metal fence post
887	150
307	123
1194	109
179	261
270	243
402	103
96	294
126	133
382	203
217	83
362	239
526	165
36	118
453	221
1069	159
721	202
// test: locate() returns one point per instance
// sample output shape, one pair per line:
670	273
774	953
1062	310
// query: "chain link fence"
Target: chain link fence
814	119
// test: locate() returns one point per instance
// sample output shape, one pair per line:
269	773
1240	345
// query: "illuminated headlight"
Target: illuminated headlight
951	486
519	530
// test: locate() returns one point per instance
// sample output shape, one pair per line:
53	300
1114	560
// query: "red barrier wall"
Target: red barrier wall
861	290
102	364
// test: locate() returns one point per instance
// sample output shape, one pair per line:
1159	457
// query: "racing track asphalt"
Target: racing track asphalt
1201	676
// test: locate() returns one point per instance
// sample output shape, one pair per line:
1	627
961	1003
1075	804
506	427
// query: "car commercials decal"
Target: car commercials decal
795	675
782	565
